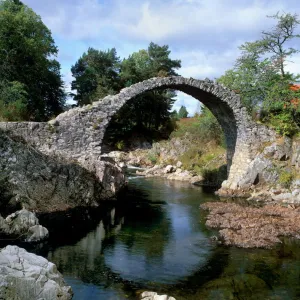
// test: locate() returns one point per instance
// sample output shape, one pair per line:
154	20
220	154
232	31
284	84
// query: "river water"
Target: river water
154	238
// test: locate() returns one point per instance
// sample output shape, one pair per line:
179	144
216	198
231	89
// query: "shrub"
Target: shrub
153	157
12	101
120	145
282	122
285	178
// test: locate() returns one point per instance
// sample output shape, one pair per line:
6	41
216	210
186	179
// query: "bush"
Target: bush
12	101
153	157
120	145
285	178
203	128
282	122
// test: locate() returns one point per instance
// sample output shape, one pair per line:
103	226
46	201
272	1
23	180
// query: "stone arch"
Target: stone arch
81	130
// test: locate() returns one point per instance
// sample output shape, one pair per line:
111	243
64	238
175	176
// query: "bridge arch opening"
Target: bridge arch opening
93	120
222	113
221	102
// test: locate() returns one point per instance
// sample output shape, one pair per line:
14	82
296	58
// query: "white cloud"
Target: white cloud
199	64
203	34
189	102
194	21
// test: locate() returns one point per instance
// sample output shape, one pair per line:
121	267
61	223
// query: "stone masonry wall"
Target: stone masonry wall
77	134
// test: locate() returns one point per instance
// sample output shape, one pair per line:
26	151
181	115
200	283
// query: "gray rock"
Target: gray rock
295	159
280	150
36	233
169	169
21	221
53	122
155	296
23	225
259	170
287	197
179	164
25	276
196	179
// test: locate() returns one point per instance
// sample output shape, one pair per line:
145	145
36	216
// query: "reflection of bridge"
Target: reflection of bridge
78	133
103	256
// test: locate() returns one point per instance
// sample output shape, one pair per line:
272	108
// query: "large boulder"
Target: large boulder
25	276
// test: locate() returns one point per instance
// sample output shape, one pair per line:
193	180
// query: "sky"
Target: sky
203	34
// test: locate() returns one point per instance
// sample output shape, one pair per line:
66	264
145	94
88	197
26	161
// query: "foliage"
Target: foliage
153	157
12	101
204	127
204	139
120	145
182	113
152	109
26	56
174	115
214	176
260	77
286	178
96	75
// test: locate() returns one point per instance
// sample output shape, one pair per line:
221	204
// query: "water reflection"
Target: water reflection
154	238
150	238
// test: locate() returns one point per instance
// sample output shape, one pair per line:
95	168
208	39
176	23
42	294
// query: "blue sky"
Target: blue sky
204	34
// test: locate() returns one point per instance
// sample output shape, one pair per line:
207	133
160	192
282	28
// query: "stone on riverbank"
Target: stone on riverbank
26	276
155	296
23	225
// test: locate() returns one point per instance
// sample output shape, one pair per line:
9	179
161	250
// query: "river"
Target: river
154	238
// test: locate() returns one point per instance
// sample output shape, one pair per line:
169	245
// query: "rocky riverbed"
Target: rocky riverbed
147	169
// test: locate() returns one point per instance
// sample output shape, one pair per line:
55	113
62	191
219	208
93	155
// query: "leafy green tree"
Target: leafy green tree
152	109
276	42
261	79
96	75
26	57
182	113
13	99
174	114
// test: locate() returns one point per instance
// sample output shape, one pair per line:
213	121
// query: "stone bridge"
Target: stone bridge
78	133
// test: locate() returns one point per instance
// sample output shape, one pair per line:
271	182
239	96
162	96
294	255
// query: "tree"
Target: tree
12	101
182	113
276	41
152	109
96	75
174	114
260	77
26	51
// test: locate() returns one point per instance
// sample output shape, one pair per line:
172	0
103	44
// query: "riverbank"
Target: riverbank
272	174
253	227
